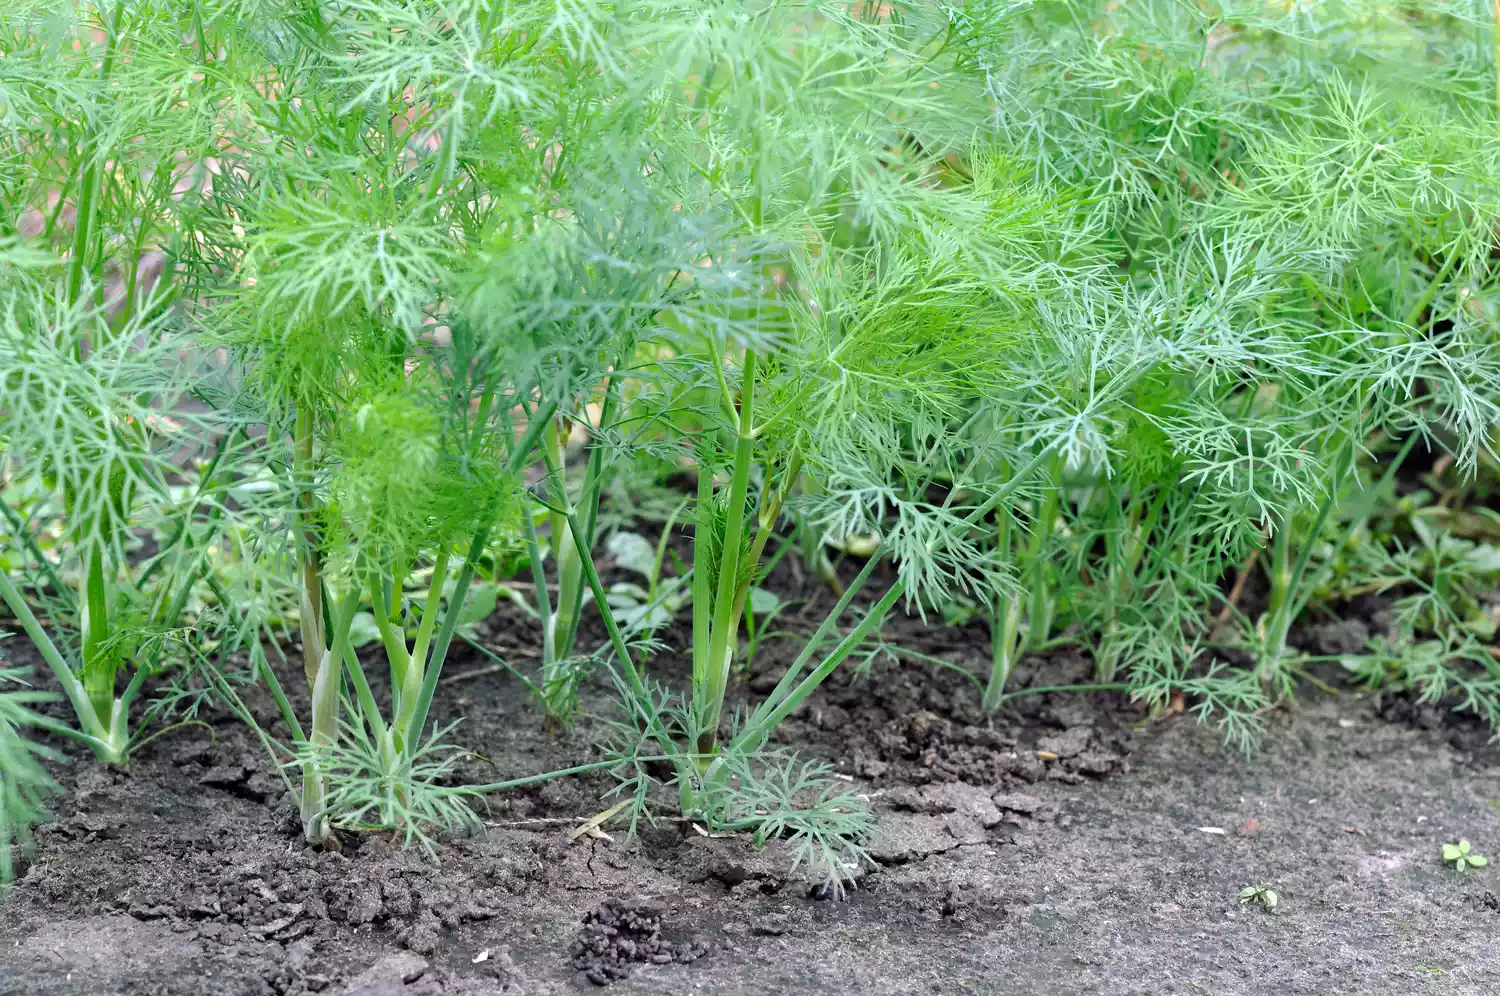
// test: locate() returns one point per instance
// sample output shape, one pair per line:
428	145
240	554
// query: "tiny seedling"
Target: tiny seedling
1462	857
1262	895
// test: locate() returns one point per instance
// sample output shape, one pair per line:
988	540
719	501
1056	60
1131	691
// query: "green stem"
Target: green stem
1005	647
543	598
725	629
93	729
959	669
702	579
794	672
793	689
520	456
325	720
1276	623
392	637
1360	511
593	483
418	719
1431	290
278	694
1039	616
310	591
92	177
411	691
367	704
766	519
591	575
564	548
755	736
577	769
505	665
616	638
98	664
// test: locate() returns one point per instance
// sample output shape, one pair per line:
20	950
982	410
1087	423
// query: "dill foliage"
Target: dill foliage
1077	311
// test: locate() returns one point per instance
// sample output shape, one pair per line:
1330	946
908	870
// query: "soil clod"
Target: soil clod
619	935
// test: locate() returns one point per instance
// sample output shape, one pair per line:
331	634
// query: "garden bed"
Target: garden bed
1131	371
1070	846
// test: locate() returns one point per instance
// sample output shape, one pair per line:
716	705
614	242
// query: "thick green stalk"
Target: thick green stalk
411	690
320	660
93	175
1107	654
703	606
1277	621
98	662
543	597
564	549
391	636
725	629
310	589
388	597
1043	603
97	735
326	687
1005	648
119	713
766	519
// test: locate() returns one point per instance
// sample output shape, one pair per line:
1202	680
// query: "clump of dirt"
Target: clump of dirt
1464	731
619	935
924	747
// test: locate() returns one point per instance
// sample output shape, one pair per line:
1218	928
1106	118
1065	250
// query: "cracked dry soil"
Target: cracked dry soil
1069	847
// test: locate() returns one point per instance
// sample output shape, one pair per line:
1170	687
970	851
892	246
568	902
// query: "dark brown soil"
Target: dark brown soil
1069	847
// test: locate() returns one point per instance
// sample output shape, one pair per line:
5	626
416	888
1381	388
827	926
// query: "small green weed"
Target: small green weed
1461	856
1262	895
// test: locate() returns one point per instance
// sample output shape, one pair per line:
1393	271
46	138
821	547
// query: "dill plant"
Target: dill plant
429	252
103	125
884	264
1299	205
329	256
565	311
1076	308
